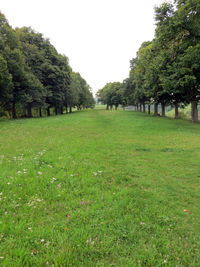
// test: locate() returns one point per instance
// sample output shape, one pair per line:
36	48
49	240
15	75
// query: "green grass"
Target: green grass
100	188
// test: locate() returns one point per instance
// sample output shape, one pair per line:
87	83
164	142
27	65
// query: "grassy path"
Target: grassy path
99	188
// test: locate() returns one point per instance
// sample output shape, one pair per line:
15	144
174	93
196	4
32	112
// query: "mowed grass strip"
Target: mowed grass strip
100	188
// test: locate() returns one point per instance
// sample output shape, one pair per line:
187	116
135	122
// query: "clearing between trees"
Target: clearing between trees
99	188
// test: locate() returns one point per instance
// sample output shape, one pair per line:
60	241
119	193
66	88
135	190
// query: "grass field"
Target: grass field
100	188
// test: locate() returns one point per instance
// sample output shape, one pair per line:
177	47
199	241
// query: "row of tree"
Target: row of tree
166	71
34	77
112	94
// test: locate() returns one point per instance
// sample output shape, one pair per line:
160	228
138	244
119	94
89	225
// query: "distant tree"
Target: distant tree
129	88
86	99
111	94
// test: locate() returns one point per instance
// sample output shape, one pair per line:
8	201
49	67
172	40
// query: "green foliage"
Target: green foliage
5	83
111	94
79	94
166	70
35	76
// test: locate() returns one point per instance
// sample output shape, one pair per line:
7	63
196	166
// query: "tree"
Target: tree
139	69
16	65
189	77
33	95
35	76
111	94
6	85
178	30
50	68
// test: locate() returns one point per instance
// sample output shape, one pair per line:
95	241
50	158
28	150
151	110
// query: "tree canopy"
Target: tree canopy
34	77
166	69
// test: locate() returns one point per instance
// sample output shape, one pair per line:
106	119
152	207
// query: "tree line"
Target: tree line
35	78
166	70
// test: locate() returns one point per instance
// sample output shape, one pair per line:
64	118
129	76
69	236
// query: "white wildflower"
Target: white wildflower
53	180
47	244
39	200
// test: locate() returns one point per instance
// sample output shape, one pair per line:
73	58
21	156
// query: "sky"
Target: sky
99	37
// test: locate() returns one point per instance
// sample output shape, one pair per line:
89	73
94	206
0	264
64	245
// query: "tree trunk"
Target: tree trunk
149	109
70	109
14	116
176	110
56	111
107	107
194	111
10	114
61	110
115	107
66	107
144	107
137	107
163	109
29	109
24	113
48	112
111	107
40	112
156	109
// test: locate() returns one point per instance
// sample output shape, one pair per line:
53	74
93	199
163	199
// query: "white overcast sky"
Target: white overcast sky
98	36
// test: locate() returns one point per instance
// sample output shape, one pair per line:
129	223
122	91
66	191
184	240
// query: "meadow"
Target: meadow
100	188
